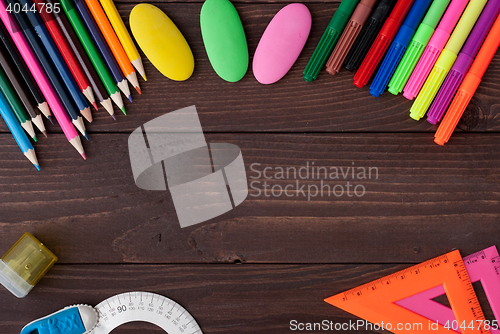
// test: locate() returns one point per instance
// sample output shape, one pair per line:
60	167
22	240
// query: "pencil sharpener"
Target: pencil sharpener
24	265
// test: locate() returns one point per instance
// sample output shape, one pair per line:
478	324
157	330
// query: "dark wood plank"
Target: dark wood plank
223	299
329	104
426	201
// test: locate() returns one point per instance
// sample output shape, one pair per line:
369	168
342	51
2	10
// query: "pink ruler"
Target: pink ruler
482	266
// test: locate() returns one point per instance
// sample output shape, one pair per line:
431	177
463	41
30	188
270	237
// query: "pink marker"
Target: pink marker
434	48
40	78
482	266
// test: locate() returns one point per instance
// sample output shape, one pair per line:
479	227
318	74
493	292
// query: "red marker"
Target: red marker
382	42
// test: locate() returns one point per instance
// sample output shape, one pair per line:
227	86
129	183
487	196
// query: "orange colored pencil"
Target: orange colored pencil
113	43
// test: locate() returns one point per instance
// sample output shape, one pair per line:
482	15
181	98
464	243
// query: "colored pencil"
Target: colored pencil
16	130
26	76
92	52
103	48
123	35
16	105
66	52
42	81
92	76
113	43
34	20
48	68
21	91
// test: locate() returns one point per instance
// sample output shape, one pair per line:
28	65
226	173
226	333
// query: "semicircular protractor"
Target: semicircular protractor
146	307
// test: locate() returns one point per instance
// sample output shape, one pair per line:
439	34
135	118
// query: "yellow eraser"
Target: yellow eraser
24	264
162	42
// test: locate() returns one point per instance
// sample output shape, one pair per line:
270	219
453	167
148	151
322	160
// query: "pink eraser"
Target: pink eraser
281	43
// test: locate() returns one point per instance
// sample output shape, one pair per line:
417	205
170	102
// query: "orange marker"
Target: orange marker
113	43
375	301
469	85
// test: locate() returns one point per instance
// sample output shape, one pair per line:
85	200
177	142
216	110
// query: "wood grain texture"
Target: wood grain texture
273	258
426	200
250	299
329	104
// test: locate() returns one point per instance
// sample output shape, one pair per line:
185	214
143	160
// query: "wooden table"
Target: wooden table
272	259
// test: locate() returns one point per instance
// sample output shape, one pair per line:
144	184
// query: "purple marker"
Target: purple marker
463	62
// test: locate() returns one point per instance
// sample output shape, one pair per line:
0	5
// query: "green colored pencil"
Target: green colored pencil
91	50
16	104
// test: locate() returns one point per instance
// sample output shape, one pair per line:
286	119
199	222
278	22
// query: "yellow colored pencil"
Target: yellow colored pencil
123	35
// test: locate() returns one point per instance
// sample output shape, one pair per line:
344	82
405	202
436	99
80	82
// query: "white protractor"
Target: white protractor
147	307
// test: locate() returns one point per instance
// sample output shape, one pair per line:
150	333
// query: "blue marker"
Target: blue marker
398	46
17	131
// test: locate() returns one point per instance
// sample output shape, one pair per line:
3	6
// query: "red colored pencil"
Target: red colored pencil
67	53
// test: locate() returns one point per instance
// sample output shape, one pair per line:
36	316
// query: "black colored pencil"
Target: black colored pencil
26	76
21	90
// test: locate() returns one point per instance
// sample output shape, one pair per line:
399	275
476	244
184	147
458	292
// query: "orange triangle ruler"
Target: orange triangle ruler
376	301
482	266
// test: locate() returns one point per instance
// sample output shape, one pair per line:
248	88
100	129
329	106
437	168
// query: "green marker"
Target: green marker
329	39
417	46
16	105
92	52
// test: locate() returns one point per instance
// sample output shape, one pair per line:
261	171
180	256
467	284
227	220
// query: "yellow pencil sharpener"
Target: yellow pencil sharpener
24	264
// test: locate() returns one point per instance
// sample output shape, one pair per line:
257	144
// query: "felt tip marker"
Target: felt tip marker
446	59
329	39
463	62
382	42
351	32
417	46
469	85
367	35
434	48
398	46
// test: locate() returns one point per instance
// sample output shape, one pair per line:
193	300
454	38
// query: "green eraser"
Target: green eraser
224	39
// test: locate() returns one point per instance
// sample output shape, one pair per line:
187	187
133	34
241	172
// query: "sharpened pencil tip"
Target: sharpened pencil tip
44	133
83	156
37	167
95	105
144	77
130	98
50	119
114	118
138	90
86	136
123	111
34	139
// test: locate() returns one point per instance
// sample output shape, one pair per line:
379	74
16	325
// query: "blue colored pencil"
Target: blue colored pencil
103	48
48	67
17	131
57	59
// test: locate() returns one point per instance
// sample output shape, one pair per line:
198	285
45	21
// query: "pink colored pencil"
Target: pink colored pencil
40	78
